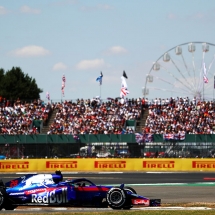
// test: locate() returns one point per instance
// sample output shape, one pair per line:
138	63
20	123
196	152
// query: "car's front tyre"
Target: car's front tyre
128	204
116	198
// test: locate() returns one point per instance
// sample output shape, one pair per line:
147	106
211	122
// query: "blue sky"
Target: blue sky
81	38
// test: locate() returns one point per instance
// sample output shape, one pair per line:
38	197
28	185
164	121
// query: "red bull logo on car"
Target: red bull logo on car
144	202
55	196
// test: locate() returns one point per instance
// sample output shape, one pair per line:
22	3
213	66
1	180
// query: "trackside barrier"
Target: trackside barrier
102	165
99	138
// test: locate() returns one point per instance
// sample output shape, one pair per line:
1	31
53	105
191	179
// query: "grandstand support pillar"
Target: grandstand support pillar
18	151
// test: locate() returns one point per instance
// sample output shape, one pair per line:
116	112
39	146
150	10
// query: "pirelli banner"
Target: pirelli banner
101	165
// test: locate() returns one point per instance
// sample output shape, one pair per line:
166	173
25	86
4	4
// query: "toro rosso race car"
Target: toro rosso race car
50	189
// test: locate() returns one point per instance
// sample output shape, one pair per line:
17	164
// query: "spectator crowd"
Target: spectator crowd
18	118
180	116
94	116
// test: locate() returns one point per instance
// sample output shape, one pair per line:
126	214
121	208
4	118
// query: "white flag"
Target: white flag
124	87
204	73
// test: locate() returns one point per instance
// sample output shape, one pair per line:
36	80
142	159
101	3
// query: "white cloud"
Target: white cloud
104	7
202	17
27	9
96	8
116	50
30	51
3	10
90	64
171	16
59	66
65	2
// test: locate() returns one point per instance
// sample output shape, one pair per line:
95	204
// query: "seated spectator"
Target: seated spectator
181	115
18	118
94	116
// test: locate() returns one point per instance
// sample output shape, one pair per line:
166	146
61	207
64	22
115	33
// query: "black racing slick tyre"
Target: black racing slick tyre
2	198
4	201
128	204
9	206
116	198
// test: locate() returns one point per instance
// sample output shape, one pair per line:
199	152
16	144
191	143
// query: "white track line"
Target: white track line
110	172
172	208
108	209
59	209
164	172
65	173
25	173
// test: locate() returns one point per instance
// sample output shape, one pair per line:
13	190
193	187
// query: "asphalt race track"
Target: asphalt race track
170	187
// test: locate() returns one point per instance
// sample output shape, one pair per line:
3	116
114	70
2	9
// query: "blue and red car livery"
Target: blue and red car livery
50	189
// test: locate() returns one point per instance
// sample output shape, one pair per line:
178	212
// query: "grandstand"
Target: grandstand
39	129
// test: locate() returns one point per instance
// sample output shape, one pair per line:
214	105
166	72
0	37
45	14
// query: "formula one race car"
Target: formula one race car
50	189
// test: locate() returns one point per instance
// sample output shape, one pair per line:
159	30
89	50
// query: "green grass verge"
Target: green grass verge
121	212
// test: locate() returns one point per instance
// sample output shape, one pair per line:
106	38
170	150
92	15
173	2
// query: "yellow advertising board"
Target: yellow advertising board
102	165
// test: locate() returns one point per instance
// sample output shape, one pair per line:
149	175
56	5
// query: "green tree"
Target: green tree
16	84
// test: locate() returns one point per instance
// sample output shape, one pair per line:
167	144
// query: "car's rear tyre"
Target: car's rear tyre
10	207
128	204
2	198
116	198
4	201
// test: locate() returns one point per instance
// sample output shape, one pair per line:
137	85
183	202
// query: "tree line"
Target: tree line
16	84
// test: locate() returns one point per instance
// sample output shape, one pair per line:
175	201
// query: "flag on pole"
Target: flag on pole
124	87
63	84
214	82
48	95
124	75
99	79
62	90
204	73
63	80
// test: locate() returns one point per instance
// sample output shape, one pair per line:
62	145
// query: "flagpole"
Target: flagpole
213	88
203	90
99	79
203	76
61	91
213	94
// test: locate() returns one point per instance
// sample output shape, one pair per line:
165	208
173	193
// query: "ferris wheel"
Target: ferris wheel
186	70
